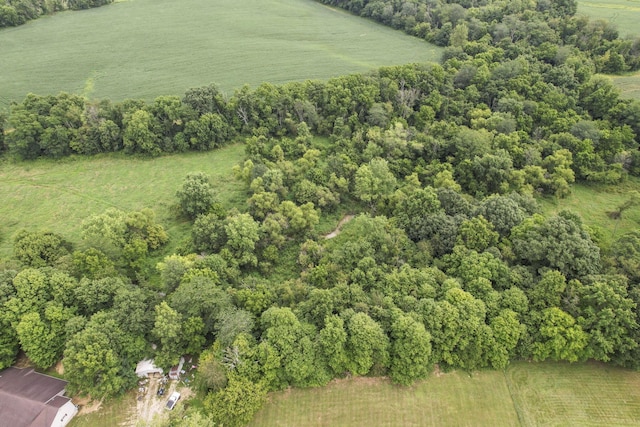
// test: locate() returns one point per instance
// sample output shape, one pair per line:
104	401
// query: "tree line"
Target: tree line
18	12
517	25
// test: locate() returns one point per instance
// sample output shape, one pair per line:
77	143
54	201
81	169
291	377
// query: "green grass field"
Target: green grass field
629	85
526	394
592	202
625	14
146	48
57	196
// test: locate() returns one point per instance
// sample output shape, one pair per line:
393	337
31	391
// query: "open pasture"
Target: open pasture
593	202
625	14
147	48
57	196
629	85
527	394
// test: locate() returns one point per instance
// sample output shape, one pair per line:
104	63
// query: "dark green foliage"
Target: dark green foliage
235	405
626	252
559	242
196	197
606	313
17	12
100	360
293	344
410	351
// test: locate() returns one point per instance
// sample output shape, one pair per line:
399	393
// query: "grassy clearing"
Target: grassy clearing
623	13
544	394
146	48
57	196
629	85
592	202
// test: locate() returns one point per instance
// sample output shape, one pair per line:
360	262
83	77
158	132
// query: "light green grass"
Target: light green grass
146	48
455	398
592	202
552	394
57	196
625	14
527	394
629	85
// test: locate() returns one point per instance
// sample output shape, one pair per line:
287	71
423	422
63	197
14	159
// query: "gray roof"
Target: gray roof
29	399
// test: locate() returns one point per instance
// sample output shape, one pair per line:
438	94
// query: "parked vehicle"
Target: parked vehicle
161	391
173	399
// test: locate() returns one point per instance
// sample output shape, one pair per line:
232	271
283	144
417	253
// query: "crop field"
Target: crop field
592	202
146	48
57	196
526	394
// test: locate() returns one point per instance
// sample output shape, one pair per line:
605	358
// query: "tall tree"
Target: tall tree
410	350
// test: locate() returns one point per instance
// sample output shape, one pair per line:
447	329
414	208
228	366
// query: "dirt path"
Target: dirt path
342	222
150	406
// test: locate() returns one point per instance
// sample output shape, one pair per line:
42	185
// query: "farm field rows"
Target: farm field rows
57	196
526	394
147	48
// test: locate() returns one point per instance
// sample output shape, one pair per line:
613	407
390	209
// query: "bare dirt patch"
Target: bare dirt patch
87	405
342	222
150	406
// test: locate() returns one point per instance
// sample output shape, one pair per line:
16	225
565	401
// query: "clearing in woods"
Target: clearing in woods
46	195
147	48
625	14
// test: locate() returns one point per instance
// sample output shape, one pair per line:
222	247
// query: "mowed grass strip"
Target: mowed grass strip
452	399
147	48
562	394
530	394
594	202
58	195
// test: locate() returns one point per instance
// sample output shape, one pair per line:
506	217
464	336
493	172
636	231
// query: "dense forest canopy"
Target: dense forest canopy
446	261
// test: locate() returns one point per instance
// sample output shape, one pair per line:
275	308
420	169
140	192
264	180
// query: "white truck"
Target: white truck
173	399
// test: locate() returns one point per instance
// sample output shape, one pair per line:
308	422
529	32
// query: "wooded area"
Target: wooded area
447	261
18	12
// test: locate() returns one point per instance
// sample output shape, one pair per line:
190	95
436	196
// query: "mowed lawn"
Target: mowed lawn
58	195
147	48
526	394
593	202
563	394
